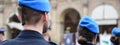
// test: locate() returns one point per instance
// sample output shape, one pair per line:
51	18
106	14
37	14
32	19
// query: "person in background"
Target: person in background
2	30
14	22
115	39
33	14
88	30
14	25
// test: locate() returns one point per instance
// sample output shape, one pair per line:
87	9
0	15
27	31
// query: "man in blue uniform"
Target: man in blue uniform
33	14
87	31
1	34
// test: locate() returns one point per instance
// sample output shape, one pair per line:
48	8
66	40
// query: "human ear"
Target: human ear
45	17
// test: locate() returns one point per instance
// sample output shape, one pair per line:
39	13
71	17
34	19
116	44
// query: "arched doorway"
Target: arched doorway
70	22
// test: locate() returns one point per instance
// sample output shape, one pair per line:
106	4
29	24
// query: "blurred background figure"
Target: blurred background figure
14	25
14	22
68	37
47	33
87	31
2	30
115	39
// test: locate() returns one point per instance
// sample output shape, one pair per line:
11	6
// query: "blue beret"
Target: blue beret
39	5
116	31
2	29
90	24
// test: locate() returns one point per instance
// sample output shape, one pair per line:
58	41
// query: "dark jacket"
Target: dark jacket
27	37
53	43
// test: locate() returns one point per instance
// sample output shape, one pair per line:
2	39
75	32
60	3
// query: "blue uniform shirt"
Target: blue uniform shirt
27	37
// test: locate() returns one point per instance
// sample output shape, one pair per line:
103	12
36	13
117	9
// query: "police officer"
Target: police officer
115	39
1	34
87	31
33	14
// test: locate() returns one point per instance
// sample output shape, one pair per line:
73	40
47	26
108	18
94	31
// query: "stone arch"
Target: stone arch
105	12
106	16
66	11
70	19
105	9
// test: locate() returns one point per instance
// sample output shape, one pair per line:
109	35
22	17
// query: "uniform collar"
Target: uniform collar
28	34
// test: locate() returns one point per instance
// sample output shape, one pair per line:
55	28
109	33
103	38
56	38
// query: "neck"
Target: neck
34	28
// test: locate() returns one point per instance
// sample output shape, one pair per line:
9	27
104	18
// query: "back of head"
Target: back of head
85	36
30	16
31	11
88	29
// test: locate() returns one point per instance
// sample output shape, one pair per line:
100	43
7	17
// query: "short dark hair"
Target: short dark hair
115	40
86	34
29	15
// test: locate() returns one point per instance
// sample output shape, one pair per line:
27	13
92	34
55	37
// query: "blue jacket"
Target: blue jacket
27	37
